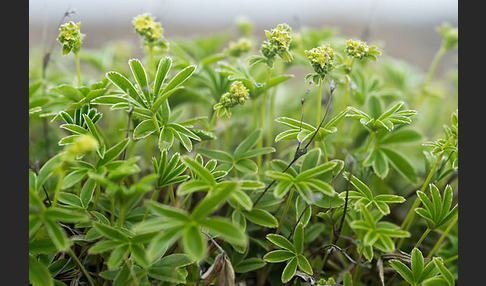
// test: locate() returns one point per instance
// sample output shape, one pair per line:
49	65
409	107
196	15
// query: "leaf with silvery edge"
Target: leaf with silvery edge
419	271
437	210
364	196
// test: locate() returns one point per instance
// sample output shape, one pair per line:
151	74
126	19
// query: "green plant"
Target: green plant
136	177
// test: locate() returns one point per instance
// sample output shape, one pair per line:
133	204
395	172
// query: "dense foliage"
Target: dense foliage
305	158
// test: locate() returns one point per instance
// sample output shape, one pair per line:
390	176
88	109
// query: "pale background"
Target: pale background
405	26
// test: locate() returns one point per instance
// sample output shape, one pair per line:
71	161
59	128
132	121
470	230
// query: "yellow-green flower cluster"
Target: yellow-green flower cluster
321	59
81	145
451	36
278	43
236	49
146	26
70	37
237	94
356	49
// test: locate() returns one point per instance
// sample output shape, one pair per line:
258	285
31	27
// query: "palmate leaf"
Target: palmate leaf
437	210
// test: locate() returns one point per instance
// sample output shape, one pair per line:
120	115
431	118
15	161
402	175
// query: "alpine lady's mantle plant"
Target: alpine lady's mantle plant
168	169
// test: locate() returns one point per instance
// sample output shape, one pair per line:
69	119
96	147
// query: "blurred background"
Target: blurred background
405	27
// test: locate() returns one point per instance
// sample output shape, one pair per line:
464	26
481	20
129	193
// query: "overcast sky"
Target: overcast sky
206	12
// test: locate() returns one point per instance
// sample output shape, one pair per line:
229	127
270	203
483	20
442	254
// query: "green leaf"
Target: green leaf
246	166
87	191
261	217
162	71
360	186
57	235
166	211
123	84
70	199
401	136
193	242
179	78
311	159
166	138
257	152
299	238
304	264
213	200
316	171
242	199
289	270
109	100
113	152
105	245
47	170
64	215
144	129
139	254
110	232
379	163
401	164
159	244
250	264
278	256
38	273
226	229
200	171
403	270
140	75
249	142
75	129
281	242
216	154
117	256
417	264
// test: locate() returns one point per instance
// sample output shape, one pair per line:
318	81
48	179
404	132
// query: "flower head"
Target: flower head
70	37
278	43
450	34
356	49
81	145
146	27
321	59
237	94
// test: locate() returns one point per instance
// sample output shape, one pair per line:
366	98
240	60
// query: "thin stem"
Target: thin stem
341	124
286	209
96	196
422	237
60	180
262	115
438	243
319	103
271	116
78	70
370	138
410	216
433	67
152	59
81	266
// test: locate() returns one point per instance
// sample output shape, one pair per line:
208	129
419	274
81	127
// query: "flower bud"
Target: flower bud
356	49
237	94
70	37
278	43
450	34
321	59
82	145
146	27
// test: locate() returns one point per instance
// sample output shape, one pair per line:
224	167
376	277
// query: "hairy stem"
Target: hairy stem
319	103
433	67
